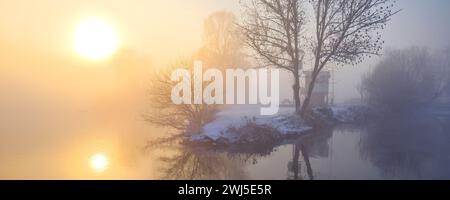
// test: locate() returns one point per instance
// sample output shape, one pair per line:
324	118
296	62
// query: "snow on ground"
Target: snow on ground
285	123
348	113
238	116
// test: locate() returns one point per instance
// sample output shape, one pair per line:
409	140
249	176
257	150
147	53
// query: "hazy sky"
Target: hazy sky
164	30
50	98
159	28
424	23
420	23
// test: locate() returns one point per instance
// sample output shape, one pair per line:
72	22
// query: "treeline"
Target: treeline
407	80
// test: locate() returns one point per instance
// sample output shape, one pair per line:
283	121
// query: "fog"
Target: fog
56	109
141	29
419	23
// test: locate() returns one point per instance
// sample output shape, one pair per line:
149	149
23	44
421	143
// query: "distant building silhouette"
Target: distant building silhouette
321	91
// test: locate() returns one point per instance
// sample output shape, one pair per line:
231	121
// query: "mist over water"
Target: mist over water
62	117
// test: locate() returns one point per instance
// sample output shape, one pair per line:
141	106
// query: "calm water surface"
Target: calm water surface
417	148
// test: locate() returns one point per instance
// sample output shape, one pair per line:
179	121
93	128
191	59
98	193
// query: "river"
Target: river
416	148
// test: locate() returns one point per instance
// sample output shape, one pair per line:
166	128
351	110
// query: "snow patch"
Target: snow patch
244	123
349	113
224	127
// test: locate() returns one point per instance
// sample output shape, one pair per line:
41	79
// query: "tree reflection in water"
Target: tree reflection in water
197	163
190	161
295	165
312	145
409	147
393	148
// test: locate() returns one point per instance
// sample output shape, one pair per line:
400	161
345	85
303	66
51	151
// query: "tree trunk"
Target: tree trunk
296	92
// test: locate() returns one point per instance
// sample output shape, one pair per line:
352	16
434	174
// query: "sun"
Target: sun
94	39
99	162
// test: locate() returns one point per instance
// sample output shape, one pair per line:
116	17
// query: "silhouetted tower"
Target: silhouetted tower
331	102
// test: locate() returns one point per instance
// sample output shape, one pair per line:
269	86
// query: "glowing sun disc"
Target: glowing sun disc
99	162
95	39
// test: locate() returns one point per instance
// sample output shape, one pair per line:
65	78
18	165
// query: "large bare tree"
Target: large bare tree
345	32
273	29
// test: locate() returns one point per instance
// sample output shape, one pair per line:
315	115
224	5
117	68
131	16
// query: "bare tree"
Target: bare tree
273	29
404	81
442	72
346	31
184	118
221	47
222	41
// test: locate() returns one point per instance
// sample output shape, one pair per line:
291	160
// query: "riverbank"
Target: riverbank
243	125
